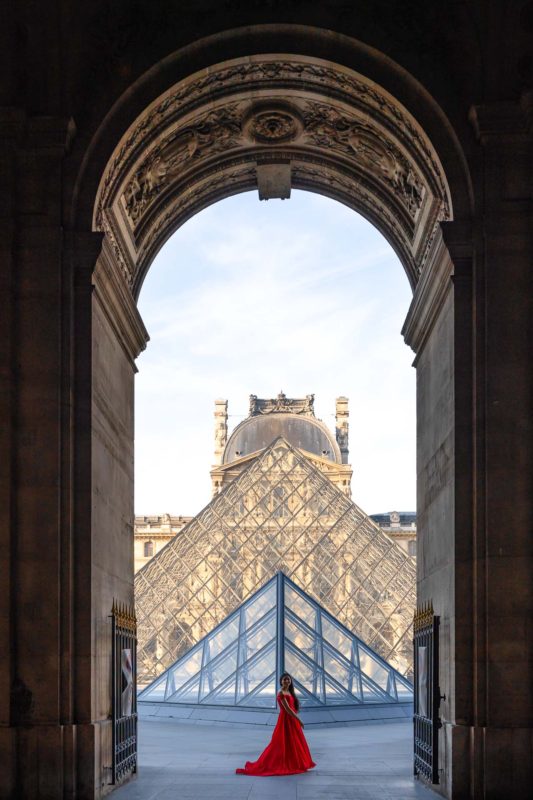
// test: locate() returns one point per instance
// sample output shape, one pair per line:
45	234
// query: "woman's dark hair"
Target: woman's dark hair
291	689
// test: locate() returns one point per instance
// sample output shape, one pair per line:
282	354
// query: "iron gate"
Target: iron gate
124	700
427	694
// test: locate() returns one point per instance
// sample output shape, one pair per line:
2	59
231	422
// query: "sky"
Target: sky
302	296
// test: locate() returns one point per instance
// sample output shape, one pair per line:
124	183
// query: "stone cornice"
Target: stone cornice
38	132
430	294
500	121
118	305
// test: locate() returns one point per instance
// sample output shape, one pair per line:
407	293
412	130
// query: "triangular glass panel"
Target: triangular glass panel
308	699
300	607
257	638
374	668
184	671
187	694
157	690
336	696
263	602
337	638
303	639
255	672
217	671
223	637
264	696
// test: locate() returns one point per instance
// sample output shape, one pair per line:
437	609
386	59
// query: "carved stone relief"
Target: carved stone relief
300	75
214	132
179	156
273	124
328	128
235	126
282	404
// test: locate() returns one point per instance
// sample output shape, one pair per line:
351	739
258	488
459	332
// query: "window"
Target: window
411	548
148	549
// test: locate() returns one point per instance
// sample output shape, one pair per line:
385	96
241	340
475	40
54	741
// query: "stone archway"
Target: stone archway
275	122
272	123
75	81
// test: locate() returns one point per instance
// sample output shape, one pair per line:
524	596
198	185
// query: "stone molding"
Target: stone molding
119	306
430	294
202	140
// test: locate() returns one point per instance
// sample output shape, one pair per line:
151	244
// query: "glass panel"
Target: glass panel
404	690
337	637
260	605
371	695
370	666
222	638
300	637
299	606
255	641
301	671
215	673
224	695
156	691
308	700
336	668
251	675
265	696
184	670
334	695
189	694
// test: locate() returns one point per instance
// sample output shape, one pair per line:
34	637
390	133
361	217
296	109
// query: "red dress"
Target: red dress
287	752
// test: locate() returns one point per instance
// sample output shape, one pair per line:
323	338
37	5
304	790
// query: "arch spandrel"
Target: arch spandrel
331	130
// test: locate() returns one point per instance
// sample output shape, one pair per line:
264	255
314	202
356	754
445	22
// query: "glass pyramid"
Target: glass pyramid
280	627
279	514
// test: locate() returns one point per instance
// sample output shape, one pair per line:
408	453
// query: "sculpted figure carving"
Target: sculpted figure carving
216	132
327	128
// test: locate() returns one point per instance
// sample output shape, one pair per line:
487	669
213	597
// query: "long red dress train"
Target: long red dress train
287	752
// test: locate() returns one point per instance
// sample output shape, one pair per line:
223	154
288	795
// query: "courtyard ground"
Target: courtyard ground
180	761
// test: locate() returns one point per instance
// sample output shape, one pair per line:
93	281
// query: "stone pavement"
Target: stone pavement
197	762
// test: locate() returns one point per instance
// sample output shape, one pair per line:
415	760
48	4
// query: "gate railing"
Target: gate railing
124	691
427	693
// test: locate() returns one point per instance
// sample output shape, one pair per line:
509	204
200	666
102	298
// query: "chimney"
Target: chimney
221	429
341	426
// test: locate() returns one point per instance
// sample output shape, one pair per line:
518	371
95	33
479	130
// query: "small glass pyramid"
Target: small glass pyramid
279	628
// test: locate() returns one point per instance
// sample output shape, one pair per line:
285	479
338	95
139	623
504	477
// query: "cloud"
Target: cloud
303	296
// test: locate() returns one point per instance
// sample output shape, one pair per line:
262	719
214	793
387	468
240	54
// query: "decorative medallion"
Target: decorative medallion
273	124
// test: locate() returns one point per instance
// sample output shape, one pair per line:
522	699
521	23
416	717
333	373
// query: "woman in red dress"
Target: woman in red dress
287	752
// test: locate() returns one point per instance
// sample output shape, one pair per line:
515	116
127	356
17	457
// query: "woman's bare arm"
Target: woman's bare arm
289	710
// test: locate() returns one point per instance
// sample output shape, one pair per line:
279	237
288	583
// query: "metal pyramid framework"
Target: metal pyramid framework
280	514
280	627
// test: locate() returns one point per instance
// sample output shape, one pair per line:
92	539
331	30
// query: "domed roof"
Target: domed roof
304	432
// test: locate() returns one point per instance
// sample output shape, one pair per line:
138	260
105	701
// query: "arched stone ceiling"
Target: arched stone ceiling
271	122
